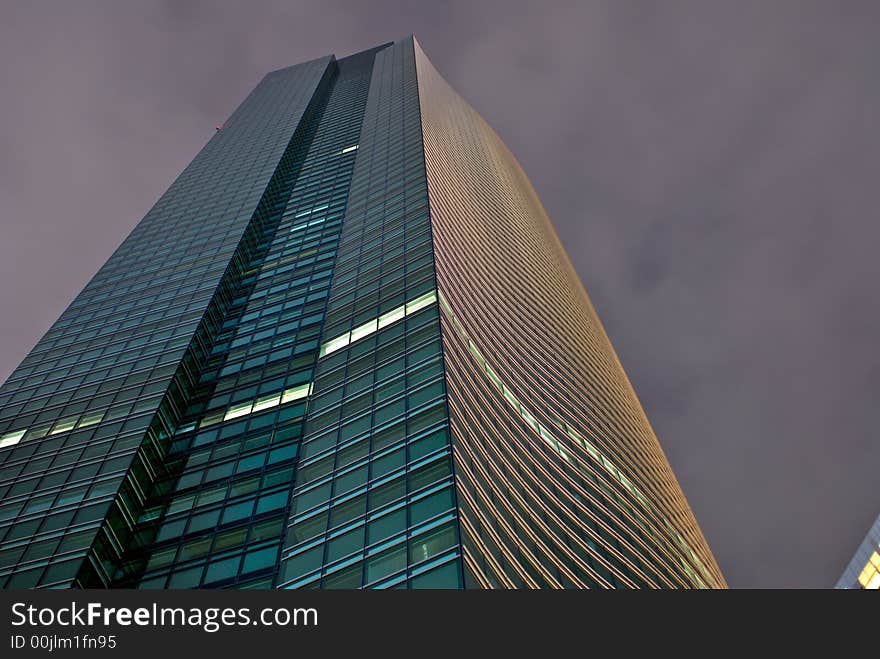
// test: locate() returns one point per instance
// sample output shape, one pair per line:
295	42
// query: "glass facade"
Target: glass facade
344	350
863	571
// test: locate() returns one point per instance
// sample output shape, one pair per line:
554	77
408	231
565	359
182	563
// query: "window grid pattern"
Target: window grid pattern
374	504
130	346
531	375
217	520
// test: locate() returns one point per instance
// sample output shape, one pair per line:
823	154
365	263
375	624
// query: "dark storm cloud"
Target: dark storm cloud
711	168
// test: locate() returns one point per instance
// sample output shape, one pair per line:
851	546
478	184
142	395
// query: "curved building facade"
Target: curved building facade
345	349
561	480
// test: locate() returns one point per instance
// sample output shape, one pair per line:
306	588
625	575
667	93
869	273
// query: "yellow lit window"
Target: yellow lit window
870	576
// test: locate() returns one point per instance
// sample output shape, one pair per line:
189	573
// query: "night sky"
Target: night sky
711	168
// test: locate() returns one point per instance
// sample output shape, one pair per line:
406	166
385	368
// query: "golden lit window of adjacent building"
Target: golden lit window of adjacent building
870	576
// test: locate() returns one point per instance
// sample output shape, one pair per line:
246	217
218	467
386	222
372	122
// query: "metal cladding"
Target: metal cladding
345	349
561	480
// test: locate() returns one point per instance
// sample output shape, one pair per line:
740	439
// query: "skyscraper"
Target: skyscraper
345	349
863	570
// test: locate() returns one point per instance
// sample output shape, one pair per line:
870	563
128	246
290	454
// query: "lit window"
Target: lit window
626	483
510	397
476	352
870	576
364	330
211	419
11	438
266	402
530	419
63	425
296	393
238	410
391	317
309	211
376	324
494	377
349	149
185	428
552	443
307	224
90	419
38	433
336	344
421	302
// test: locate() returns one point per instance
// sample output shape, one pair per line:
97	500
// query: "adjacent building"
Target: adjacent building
863	571
345	349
